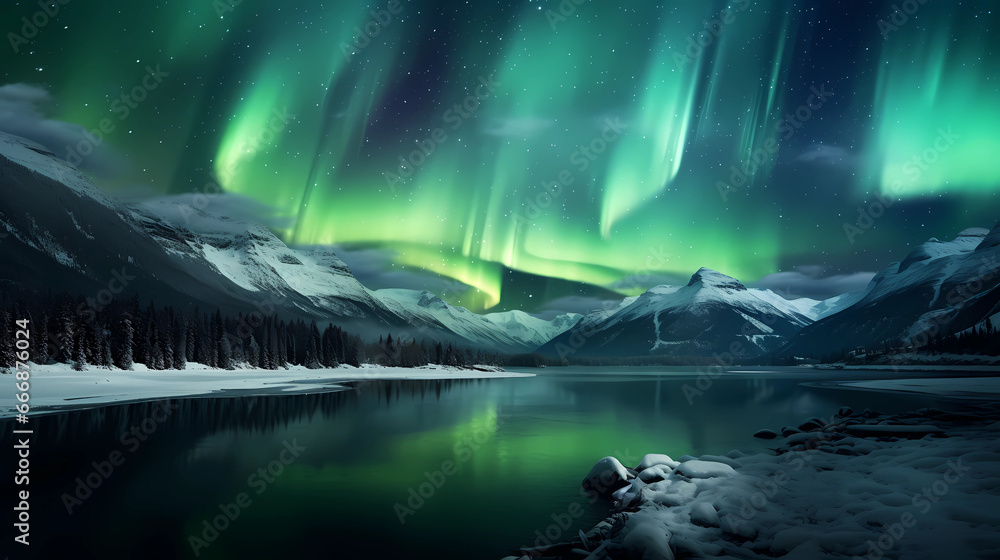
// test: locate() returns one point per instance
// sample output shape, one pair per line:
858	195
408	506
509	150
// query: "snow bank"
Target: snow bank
847	488
975	387
57	385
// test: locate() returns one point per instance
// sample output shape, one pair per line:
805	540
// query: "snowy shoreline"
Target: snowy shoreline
58	388
915	485
975	388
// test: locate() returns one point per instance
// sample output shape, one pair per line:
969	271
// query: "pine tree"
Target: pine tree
79	354
191	334
281	343
312	351
65	335
106	360
327	357
167	341
225	354
352	350
125	343
338	345
7	329
154	351
215	330
41	334
181	353
253	357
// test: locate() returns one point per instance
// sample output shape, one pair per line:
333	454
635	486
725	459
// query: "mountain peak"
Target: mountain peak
966	241
707	277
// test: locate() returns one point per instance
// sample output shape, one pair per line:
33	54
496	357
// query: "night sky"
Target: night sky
618	146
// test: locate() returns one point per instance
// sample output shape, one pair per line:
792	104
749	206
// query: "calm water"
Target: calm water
506	455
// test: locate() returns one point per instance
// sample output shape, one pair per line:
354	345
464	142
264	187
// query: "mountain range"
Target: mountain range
65	235
60	233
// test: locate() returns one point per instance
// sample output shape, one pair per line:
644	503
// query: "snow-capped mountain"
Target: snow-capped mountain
940	287
512	331
713	313
59	232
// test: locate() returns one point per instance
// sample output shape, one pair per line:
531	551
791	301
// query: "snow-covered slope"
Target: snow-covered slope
817	310
940	287
713	313
255	260
61	233
512	331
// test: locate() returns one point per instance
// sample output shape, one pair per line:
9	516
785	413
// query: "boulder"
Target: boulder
653	459
607	476
704	514
811	424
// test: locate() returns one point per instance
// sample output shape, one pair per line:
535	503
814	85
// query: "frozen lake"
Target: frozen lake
489	462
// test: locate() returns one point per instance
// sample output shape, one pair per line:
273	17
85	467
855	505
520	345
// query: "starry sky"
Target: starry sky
536	154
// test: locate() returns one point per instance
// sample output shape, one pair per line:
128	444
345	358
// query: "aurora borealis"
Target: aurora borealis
562	140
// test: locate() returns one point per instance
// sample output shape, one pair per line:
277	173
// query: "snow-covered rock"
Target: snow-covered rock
607	476
654	459
861	495
703	469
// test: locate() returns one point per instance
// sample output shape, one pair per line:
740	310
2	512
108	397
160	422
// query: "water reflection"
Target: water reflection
206	416
367	446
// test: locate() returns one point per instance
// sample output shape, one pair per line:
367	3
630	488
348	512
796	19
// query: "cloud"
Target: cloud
649	280
214	213
374	267
576	304
809	281
23	110
828	155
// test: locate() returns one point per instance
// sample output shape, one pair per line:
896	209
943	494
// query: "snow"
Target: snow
817	310
975	387
510	330
940	287
709	286
836	492
227	262
655	459
705	287
211	258
607	475
930	264
703	469
58	385
40	160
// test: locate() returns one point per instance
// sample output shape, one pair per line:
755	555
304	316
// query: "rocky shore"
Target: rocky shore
915	485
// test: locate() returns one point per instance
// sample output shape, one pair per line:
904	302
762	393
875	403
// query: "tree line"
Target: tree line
979	340
73	330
